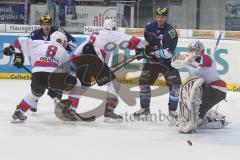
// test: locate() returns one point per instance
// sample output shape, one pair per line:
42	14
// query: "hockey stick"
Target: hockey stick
124	63
117	64
28	70
217	43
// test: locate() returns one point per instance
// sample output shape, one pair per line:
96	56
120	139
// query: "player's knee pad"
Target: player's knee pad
145	90
37	91
145	96
69	82
172	77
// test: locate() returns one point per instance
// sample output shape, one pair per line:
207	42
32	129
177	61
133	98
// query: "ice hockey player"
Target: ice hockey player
162	39
48	59
95	53
44	33
47	29
202	90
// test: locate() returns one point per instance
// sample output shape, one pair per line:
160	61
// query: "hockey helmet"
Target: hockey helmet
196	47
59	37
162	11
110	24
45	19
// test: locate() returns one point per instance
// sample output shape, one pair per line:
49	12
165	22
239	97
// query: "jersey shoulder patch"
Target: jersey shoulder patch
172	33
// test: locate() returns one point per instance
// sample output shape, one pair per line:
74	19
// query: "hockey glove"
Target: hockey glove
72	45
18	60
149	52
195	61
139	53
9	51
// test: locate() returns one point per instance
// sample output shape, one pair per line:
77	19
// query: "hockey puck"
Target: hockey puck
189	143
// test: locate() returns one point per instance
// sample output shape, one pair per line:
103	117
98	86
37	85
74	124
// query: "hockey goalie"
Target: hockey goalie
202	90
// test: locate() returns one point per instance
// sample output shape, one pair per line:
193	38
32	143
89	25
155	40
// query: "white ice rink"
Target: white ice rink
44	137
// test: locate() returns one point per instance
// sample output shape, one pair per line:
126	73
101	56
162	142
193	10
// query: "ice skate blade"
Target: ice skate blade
17	121
110	120
190	132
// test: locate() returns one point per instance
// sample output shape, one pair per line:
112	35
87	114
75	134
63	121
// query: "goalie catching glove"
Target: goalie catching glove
185	59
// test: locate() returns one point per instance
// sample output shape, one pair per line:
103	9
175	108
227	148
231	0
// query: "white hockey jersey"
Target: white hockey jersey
46	56
105	41
208	71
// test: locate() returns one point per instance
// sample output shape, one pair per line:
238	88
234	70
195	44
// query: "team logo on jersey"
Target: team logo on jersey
161	36
172	33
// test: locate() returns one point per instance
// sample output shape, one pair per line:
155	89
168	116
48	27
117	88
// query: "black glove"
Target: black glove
9	51
139	52
149	51
18	60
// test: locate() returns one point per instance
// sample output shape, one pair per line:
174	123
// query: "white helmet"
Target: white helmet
196	47
59	37
110	24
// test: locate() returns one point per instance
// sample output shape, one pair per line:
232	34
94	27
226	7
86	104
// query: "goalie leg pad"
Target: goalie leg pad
210	98
190	99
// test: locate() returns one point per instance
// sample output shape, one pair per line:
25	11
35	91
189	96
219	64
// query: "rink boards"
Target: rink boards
226	56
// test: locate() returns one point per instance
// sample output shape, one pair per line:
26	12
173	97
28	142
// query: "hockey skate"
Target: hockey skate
34	108
142	113
173	117
213	120
111	117
64	112
18	116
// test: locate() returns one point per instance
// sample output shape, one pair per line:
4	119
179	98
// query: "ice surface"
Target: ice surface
44	137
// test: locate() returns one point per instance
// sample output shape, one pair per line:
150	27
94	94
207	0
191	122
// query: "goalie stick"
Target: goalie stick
217	43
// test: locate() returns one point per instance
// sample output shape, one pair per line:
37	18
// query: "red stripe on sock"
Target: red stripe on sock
24	106
74	101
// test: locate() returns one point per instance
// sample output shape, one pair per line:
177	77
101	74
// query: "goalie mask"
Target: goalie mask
196	47
110	24
59	37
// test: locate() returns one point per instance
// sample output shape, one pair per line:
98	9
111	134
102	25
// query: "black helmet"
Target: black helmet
45	19
162	11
